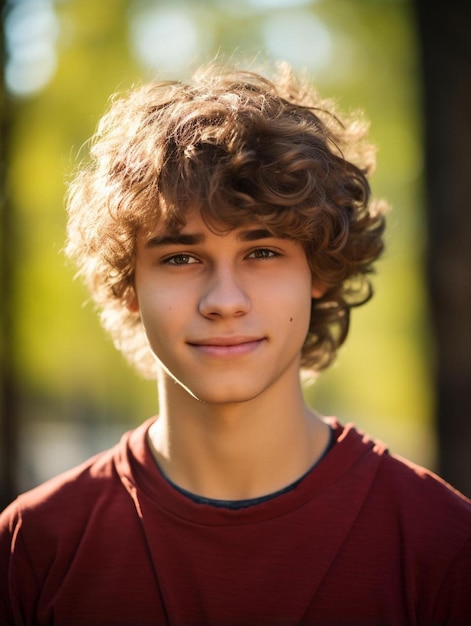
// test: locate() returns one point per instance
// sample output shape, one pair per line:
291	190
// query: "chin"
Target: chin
224	396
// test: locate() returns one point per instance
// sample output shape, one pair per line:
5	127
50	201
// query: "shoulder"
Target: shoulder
43	530
433	523
405	499
67	500
404	483
411	522
418	515
429	517
65	503
422	491
56	499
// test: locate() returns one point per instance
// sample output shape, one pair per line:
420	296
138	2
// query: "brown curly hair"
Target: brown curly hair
241	148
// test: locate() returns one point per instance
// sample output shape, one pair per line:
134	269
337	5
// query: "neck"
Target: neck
235	451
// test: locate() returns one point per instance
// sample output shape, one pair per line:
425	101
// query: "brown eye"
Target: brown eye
180	259
262	253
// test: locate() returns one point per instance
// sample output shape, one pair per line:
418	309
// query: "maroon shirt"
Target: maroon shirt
364	539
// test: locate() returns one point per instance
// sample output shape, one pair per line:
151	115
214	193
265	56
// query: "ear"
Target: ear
132	302
318	290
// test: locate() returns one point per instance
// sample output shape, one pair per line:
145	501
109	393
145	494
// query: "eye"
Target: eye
180	259
263	253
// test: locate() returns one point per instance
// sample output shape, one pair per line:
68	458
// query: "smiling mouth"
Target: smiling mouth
227	346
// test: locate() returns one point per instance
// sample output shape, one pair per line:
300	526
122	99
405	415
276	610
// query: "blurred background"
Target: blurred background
404	375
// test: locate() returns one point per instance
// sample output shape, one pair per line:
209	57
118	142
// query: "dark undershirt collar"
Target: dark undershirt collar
243	504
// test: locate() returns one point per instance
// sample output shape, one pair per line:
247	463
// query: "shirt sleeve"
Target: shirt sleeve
17	582
453	605
8	529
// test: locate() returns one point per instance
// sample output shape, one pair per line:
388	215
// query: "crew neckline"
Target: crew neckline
245	503
140	475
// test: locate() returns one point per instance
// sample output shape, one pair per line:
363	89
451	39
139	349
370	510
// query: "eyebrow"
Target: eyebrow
189	239
255	234
175	240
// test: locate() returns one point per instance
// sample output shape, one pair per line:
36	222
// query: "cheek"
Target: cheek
157	304
154	314
295	313
303	315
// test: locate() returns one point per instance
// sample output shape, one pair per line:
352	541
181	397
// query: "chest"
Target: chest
288	570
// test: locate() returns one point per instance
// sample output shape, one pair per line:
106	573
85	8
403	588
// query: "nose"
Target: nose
224	296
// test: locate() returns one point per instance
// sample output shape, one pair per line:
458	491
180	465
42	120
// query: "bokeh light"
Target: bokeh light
300	38
31	31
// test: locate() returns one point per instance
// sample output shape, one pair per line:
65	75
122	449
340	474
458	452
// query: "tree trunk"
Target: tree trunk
445	41
8	396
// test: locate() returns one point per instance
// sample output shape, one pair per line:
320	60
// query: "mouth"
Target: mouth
227	346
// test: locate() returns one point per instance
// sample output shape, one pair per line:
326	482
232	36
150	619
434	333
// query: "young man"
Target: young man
225	228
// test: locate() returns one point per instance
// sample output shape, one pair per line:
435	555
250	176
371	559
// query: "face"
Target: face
225	315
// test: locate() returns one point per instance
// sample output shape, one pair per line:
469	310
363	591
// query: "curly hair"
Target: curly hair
240	148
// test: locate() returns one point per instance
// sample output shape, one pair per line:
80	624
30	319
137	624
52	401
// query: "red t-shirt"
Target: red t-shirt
364	539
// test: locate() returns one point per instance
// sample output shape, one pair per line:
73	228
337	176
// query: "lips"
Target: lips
227	346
